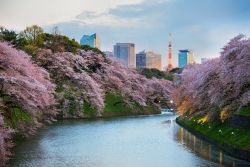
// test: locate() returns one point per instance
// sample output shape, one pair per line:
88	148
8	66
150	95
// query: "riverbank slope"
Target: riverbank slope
234	141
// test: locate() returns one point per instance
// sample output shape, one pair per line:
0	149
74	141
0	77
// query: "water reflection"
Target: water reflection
206	150
141	141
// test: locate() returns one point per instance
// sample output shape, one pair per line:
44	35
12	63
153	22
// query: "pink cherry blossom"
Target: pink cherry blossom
221	83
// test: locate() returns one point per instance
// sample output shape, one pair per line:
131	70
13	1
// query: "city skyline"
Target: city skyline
146	23
125	83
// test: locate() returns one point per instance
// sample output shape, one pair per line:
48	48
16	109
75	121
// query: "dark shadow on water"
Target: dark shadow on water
207	151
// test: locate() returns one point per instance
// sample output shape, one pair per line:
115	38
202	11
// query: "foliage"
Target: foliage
89	110
33	38
5	142
176	70
26	96
245	111
222	83
13	112
58	43
67	65
7	35
89	48
114	102
155	73
27	84
84	80
237	138
88	76
32	34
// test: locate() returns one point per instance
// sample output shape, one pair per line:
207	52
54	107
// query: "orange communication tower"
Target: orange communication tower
170	65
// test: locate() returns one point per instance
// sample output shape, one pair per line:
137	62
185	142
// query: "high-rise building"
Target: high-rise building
153	60
148	60
91	40
185	57
170	65
125	52
141	59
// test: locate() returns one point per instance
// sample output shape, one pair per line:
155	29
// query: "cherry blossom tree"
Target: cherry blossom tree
219	84
26	96
94	75
81	81
5	142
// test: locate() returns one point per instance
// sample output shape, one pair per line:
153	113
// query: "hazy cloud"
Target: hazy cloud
17	14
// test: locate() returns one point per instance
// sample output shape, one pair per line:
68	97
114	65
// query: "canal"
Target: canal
141	141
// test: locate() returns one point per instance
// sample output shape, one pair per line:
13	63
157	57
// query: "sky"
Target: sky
203	26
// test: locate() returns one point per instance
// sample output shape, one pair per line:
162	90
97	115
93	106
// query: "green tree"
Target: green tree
59	43
32	35
8	35
21	41
176	70
32	38
96	50
150	73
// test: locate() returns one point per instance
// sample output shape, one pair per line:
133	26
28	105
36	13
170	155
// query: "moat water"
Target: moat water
141	141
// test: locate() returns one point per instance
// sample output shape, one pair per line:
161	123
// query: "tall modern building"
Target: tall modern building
141	59
185	57
91	40
125	52
148	60
170	65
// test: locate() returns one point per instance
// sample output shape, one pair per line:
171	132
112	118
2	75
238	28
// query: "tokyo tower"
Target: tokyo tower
170	65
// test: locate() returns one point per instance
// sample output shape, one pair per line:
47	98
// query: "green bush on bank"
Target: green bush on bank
15	114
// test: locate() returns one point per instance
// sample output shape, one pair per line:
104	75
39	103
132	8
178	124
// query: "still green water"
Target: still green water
142	141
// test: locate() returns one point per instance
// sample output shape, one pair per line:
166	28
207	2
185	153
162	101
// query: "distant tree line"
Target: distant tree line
155	73
33	38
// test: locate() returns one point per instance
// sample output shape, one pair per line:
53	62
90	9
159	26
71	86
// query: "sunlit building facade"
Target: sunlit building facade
148	60
125	52
91	40
185	57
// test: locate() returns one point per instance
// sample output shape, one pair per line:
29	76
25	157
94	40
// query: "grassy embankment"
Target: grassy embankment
219	133
114	105
15	114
